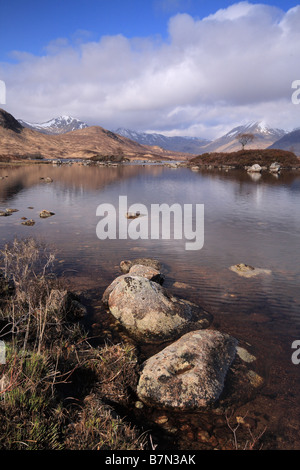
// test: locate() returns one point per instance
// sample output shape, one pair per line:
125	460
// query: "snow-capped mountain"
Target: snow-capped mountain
191	145
59	125
264	136
256	128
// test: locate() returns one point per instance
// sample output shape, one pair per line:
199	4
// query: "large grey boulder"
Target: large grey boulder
150	313
136	270
190	373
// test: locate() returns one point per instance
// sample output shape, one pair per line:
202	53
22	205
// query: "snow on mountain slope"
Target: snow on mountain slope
59	125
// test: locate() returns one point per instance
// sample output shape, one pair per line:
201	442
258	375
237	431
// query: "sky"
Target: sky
178	67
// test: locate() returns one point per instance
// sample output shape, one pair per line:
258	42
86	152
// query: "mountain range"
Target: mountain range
191	145
17	141
55	126
290	141
264	137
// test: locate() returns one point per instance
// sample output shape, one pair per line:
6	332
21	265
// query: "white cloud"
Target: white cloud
234	66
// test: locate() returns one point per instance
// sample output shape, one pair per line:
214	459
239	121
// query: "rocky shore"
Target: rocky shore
192	370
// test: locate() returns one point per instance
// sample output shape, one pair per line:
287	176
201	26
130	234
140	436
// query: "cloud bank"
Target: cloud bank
211	74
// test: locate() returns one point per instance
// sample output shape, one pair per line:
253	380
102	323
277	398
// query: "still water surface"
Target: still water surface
251	221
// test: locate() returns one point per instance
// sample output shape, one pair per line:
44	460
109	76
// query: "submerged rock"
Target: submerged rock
248	271
245	356
190	373
150	313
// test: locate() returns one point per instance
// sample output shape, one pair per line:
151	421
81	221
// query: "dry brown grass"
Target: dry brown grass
55	388
248	158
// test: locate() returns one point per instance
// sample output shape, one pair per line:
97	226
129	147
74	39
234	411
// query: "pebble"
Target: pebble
255	379
28	222
139	405
161	419
203	436
185	427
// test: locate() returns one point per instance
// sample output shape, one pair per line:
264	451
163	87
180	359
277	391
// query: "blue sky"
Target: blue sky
30	25
184	67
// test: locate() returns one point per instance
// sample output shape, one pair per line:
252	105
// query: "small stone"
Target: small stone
29	223
161	419
132	215
245	355
139	405
255	379
203	436
185	427
125	266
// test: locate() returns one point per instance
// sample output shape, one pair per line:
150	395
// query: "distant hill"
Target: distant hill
242	158
191	145
264	136
17	141
55	126
290	141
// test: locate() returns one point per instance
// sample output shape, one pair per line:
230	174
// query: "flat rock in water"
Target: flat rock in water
45	214
190	373
151	314
248	271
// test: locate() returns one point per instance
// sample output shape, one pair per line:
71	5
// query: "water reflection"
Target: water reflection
246	221
75	178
